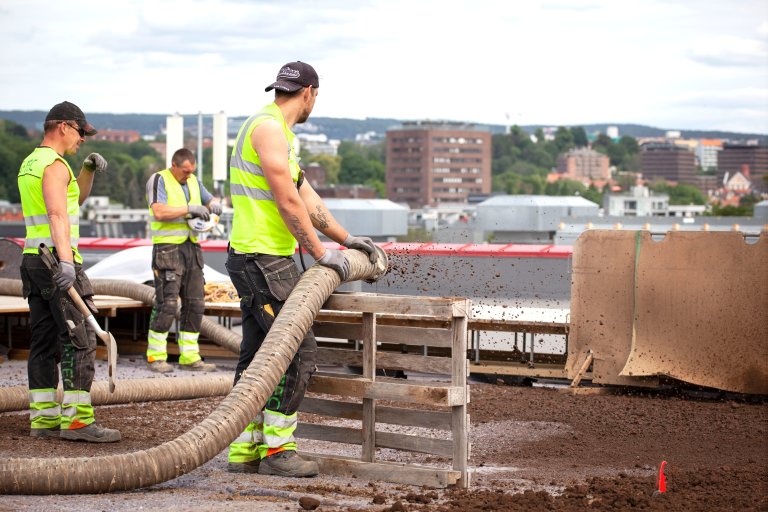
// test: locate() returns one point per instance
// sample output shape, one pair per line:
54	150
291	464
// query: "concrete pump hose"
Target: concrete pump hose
16	398
174	458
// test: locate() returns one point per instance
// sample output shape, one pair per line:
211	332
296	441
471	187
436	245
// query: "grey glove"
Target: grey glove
362	243
215	207
198	210
66	275
95	162
335	259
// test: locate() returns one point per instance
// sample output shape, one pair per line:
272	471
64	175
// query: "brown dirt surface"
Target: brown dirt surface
532	449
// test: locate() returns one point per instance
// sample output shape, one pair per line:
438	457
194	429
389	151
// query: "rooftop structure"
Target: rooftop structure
529	219
639	202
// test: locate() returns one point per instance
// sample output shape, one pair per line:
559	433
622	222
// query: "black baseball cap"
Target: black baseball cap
66	111
294	76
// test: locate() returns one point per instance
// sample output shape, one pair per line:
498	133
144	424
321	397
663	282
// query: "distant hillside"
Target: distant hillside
342	128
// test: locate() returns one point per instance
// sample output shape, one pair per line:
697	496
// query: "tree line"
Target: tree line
520	164
130	165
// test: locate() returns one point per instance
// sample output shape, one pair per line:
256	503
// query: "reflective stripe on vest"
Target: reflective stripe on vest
36	221
174	231
257	226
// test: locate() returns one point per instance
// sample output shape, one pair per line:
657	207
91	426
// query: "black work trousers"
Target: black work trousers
59	330
178	271
263	283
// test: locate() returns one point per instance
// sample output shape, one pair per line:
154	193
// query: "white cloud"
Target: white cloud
545	62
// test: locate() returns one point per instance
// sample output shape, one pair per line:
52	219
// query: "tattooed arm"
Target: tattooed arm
320	216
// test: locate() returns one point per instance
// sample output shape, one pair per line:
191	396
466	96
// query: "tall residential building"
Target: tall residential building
581	163
749	159
430	162
669	162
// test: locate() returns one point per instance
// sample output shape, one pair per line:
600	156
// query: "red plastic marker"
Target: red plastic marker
662	478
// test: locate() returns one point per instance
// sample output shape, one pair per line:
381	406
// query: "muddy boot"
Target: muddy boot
159	367
288	463
252	466
44	432
93	433
198	366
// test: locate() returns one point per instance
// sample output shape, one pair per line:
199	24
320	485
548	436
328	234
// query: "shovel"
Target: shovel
104	336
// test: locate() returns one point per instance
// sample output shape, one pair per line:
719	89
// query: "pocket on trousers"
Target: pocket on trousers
199	256
166	257
280	274
75	324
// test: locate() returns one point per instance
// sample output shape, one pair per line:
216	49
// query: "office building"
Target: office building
664	161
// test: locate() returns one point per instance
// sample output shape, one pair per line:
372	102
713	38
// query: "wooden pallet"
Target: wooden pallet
426	402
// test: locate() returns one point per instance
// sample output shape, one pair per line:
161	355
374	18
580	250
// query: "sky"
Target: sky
674	64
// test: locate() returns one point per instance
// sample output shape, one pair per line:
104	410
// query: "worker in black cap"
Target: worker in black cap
51	196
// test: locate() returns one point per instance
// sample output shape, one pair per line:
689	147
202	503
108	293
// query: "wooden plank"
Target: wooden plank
330	433
388	360
394	304
395	441
544	371
369	372
386	334
438	420
409	474
380	390
459	418
441	447
488	324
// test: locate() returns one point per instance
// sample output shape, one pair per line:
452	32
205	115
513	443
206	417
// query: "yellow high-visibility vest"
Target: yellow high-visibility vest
174	231
38	227
257	226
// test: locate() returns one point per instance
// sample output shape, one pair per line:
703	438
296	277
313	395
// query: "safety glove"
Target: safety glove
362	243
66	275
215	207
198	210
335	259
95	162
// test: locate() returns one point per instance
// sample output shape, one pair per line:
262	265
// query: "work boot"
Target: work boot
159	367
288	463
93	433
44	432
252	466
198	366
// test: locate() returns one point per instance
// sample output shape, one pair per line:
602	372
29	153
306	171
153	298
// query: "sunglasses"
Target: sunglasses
77	127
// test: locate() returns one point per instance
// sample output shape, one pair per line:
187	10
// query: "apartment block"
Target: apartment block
584	163
429	163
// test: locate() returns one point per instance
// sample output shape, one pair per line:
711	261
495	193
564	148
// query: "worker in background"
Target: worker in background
274	208
51	196
175	195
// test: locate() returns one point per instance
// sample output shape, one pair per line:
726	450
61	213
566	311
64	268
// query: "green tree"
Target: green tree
580	139
679	194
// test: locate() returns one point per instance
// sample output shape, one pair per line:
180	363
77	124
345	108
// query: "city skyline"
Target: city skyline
697	65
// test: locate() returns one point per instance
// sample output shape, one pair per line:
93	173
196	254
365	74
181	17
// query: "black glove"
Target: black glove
198	210
66	275
95	162
362	243
335	259
215	207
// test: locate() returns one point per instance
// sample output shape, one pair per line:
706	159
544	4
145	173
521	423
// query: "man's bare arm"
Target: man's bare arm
55	182
320	215
270	143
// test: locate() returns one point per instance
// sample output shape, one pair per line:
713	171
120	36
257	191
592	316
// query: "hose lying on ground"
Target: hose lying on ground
16	398
194	448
